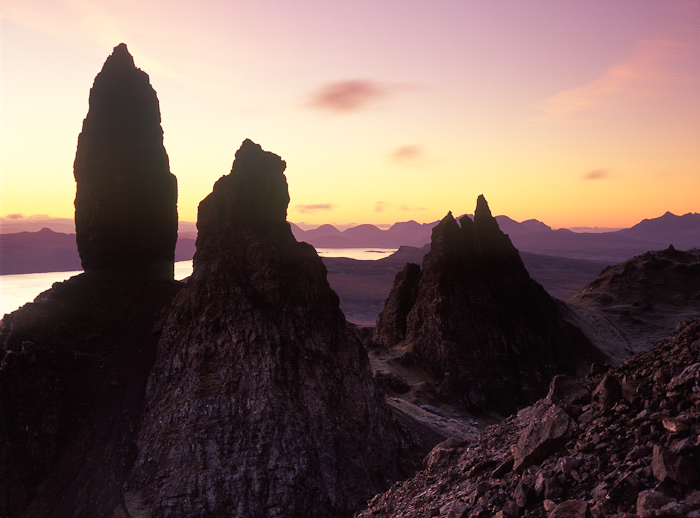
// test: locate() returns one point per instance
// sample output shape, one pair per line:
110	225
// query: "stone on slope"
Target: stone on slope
261	402
126	199
490	335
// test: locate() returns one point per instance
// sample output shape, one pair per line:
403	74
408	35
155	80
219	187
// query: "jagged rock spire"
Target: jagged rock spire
489	334
260	389
126	199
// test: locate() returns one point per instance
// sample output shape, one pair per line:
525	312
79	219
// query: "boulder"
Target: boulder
545	430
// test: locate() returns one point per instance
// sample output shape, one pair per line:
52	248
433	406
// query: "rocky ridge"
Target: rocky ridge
622	443
490	335
634	304
126	197
261	401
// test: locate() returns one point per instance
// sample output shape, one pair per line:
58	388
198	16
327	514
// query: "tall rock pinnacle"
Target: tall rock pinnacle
490	335
261	401
126	199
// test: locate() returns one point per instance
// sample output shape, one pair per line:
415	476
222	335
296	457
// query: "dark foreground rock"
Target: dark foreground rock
126	199
621	444
73	371
261	401
490	335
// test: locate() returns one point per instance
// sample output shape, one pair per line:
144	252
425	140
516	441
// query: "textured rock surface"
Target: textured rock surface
262	401
74	363
126	200
489	334
390	328
73	371
634	457
639	301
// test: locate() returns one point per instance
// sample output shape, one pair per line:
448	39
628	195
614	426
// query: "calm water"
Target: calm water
17	290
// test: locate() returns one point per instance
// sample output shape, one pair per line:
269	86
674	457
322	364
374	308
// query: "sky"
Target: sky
574	113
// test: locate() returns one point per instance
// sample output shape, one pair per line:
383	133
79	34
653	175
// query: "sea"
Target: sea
17	290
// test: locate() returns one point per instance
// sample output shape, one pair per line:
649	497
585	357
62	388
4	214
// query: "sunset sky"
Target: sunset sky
574	113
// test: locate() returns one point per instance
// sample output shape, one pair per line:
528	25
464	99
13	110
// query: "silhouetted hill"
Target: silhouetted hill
531	236
49	251
680	231
36	252
528	236
606	248
633	304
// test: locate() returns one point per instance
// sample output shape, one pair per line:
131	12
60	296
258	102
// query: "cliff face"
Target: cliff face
489	334
261	401
126	199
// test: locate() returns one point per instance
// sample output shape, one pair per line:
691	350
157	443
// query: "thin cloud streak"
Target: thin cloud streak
313	208
410	154
381	206
352	95
598	174
648	71
347	96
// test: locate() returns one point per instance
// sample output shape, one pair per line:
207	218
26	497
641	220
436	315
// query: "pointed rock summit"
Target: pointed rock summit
490	335
261	402
126	199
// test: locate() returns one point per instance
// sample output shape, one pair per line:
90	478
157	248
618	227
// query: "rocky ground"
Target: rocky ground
622	443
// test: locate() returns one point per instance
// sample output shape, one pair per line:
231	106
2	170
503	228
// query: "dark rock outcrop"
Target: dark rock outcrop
390	328
490	335
634	304
73	371
261	401
126	199
637	456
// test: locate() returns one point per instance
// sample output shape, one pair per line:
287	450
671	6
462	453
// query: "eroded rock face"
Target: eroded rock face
126	200
490	335
261	401
390	328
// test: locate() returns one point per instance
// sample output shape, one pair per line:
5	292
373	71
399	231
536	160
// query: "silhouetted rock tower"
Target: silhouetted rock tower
126	200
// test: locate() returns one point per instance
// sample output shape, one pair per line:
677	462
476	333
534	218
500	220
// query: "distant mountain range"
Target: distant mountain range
683	232
47	250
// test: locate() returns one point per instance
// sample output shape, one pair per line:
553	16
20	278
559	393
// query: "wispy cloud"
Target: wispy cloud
598	174
650	70
313	208
352	95
381	206
409	154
